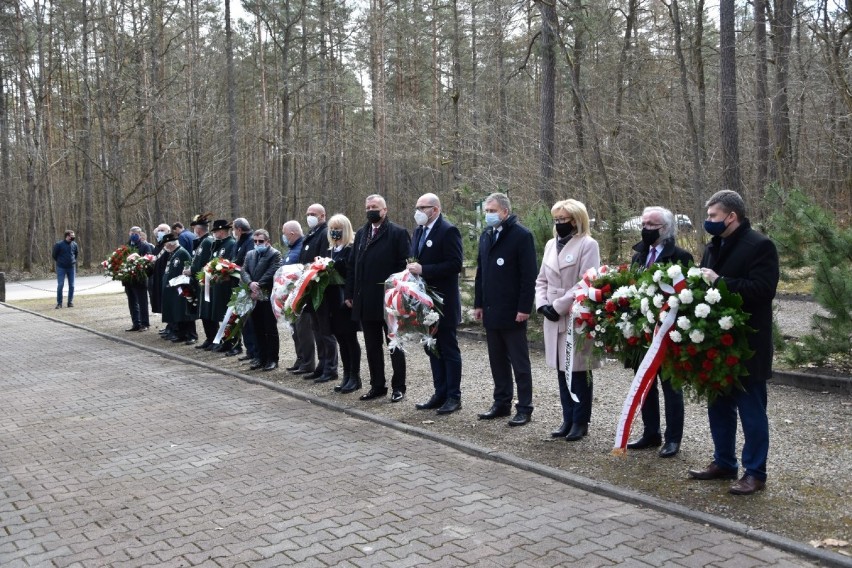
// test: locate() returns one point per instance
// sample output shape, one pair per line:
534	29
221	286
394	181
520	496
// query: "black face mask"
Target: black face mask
650	236
374	216
564	229
336	234
73	238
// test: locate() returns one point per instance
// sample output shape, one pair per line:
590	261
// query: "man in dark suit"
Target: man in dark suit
748	263
658	247
137	292
243	234
504	292
259	272
381	249
437	246
202	252
316	244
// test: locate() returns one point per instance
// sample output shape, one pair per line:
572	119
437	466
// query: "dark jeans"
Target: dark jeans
137	303
673	399
249	338
581	384
325	341
61	274
751	405
266	331
447	365
509	351
375	338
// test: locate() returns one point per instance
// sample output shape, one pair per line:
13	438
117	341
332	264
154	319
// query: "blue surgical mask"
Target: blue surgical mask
714	228
160	235
492	219
261	248
134	238
284	241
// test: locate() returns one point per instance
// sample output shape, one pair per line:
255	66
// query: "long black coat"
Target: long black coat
333	305
373	260
314	244
200	257
441	259
671	253
505	275
175	307
748	263
245	244
155	282
220	292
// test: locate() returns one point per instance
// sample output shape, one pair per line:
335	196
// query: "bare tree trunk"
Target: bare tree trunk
86	143
782	29
629	23
576	104
761	99
377	76
731	177
547	143
232	114
457	88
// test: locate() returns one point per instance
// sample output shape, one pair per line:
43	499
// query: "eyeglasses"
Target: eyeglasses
259	242
424	207
651	226
561	220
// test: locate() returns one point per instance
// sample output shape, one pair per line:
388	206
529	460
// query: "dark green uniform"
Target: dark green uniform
200	257
176	309
220	292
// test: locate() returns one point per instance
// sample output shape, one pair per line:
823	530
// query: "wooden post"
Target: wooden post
2	286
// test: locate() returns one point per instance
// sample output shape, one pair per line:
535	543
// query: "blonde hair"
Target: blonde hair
340	221
576	211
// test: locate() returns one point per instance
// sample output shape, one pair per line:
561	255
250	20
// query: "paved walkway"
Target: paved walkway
114	456
83	286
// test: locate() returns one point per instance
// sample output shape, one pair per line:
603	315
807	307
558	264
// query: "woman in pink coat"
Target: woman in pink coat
567	256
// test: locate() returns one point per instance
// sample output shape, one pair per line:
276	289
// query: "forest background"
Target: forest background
116	113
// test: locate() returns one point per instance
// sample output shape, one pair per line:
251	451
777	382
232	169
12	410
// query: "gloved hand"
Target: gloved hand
549	313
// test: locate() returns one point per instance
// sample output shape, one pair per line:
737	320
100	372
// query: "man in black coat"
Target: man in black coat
243	235
504	292
202	252
658	247
748	263
137	292
381	249
315	244
437	246
259	272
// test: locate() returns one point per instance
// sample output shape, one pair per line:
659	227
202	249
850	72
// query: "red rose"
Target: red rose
731	360
609	306
707	365
727	340
712	353
691	350
703	377
606	290
623	302
632	340
729	380
675	350
687	366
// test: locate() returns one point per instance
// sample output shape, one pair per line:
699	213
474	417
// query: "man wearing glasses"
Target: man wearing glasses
259	272
658	247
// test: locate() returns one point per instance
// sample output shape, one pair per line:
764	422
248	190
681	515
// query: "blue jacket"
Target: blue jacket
505	275
185	239
65	254
295	252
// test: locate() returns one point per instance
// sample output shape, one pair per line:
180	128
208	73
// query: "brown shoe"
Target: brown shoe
747	485
713	471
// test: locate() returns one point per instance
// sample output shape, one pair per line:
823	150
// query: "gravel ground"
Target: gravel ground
809	492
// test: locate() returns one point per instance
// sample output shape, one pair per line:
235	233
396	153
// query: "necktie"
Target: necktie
494	236
375	232
424	230
652	257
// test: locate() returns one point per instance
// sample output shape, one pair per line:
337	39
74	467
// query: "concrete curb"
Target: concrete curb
823	557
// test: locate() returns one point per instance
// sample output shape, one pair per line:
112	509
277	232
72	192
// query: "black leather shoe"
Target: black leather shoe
452	405
397	396
206	345
245	357
747	485
293	367
70	304
519	419
431	404
373	393
189	341
134	328
272	365
234	351
562	431
342	384
256	364
577	432
172	337
713	471
303	372
645	442
495	412
353	385
218	347
316	374
325	378
669	450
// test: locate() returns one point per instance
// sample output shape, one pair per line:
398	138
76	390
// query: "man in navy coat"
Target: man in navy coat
437	246
505	289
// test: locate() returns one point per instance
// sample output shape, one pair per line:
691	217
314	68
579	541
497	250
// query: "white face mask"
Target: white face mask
312	221
420	217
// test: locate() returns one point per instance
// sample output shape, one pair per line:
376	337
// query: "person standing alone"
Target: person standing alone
65	254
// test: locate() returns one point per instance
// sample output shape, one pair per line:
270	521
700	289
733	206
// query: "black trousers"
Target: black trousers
508	351
266	332
375	339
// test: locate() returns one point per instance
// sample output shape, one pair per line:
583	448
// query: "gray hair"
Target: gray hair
669	229
379	198
135	229
294	226
729	201
263	233
502	200
242	224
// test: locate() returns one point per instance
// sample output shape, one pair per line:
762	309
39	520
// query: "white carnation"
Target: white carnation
431	318
643	305
702	310
693	272
674	271
658	275
684	323
658	301
625	316
712	296
651	290
726	322
598	343
592	334
685	296
696	336
675	336
650	316
673	302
